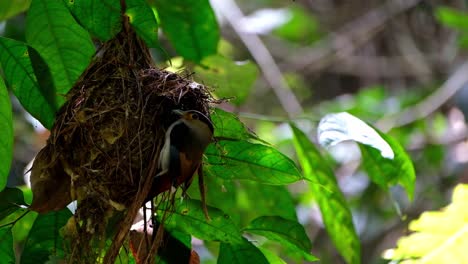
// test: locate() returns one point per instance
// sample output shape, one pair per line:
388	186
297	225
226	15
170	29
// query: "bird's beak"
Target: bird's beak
178	111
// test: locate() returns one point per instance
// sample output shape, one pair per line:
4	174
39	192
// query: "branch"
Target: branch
268	66
433	102
348	38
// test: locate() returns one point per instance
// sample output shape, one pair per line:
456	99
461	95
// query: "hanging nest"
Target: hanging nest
105	142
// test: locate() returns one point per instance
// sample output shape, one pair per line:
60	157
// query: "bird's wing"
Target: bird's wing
165	154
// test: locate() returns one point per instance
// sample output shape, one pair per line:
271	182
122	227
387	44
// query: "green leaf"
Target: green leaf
143	21
188	217
302	27
335	212
10	201
453	18
191	27
383	158
338	127
12	8
229	78
387	172
19	75
288	233
241	253
246	200
63	44
228	125
7	254
44	239
101	18
250	161
272	257
439	236
6	138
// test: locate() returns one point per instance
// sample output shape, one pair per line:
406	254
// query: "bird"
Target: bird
185	142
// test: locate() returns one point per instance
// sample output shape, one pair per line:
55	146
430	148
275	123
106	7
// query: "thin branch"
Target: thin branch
256	47
380	66
348	38
433	102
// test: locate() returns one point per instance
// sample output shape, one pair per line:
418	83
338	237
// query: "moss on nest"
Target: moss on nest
107	136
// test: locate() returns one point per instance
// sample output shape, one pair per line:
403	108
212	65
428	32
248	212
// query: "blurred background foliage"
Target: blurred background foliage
399	65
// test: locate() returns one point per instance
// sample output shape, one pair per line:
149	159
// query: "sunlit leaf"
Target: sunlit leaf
383	158
301	26
228	125
229	79
12	8
7	254
6	138
188	217
439	236
453	18
272	257
387	172
143	21
245	200
44	239
335	212
255	162
20	77
286	232
336	128
191	27
11	200
101	18
241	253
23	221
63	44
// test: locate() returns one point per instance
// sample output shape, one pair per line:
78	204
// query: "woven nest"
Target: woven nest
107	137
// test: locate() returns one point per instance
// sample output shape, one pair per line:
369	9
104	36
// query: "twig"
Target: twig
410	51
276	119
125	224
433	102
348	38
262	56
381	66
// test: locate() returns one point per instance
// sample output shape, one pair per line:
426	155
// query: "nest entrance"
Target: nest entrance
107	137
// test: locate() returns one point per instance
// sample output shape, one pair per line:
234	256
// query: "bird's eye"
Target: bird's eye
195	116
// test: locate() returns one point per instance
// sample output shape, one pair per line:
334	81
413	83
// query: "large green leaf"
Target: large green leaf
191	27
246	200
44	240
19	75
23	221
335	212
188	217
228	125
230	79
6	138
387	172
453	18
101	18
383	158
241	253
288	233
272	257
256	162
7	254
11	8
10	201
439	236
143	21
63	44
